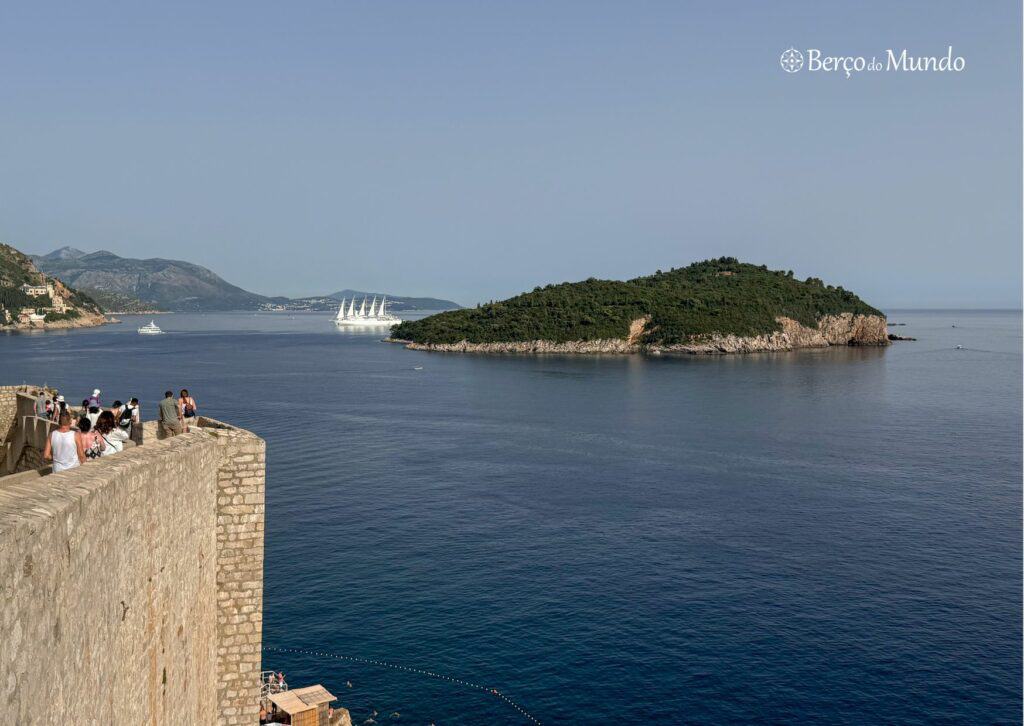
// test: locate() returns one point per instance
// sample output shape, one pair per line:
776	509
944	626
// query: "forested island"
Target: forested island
715	306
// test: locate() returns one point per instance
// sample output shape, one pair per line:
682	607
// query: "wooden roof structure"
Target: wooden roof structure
299	700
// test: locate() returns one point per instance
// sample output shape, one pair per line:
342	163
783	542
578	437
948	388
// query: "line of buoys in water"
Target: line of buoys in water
421	671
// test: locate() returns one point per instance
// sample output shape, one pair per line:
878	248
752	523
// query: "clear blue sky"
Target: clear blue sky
473	150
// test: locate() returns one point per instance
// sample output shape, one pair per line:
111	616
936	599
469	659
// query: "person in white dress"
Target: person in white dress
91	412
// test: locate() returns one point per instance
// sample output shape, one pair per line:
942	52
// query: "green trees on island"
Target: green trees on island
715	296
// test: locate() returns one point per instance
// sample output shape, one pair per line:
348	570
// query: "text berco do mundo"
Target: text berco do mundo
814	60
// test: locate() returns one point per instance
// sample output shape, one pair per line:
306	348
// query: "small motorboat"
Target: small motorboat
151	329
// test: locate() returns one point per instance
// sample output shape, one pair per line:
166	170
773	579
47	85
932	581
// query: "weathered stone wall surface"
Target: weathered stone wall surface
8	409
24	435
31	458
240	512
8	414
131	589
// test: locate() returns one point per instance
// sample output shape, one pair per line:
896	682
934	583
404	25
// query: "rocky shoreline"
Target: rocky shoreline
87	320
841	329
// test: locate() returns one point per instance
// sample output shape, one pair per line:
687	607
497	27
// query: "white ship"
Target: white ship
151	329
348	315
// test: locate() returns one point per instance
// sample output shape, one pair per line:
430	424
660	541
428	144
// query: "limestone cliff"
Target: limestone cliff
839	329
611	345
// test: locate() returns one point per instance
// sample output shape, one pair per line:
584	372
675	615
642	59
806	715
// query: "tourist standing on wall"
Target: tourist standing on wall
63	447
90	412
170	415
113	436
188	409
135	423
94	399
126	417
89	439
40	404
60	408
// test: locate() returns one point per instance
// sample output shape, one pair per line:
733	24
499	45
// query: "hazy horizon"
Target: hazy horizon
472	152
399	293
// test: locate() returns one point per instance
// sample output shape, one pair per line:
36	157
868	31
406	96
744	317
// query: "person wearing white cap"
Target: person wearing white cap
94	399
59	407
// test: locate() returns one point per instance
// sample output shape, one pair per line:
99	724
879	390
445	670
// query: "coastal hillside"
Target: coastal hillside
720	305
115	302
154	283
132	285
399	303
31	299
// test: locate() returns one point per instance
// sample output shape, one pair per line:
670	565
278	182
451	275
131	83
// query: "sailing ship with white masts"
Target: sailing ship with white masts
348	315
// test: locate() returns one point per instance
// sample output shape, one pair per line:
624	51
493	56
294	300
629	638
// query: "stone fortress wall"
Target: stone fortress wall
9	409
22	435
132	587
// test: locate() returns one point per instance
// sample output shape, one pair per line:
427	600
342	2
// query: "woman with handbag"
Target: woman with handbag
90	440
188	409
113	435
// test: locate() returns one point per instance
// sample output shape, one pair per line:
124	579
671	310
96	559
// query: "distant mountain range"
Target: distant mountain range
157	283
126	284
398	303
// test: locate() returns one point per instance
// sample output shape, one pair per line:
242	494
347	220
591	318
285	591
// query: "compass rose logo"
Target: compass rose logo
791	60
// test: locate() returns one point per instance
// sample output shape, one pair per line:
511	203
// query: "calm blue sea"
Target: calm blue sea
825	536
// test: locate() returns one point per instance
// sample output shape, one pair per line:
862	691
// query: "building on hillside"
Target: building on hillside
37	290
29	316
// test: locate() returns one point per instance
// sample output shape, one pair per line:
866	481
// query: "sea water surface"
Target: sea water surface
823	536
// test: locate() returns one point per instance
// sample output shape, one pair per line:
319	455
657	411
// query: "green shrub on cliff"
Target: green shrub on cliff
71	314
715	296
